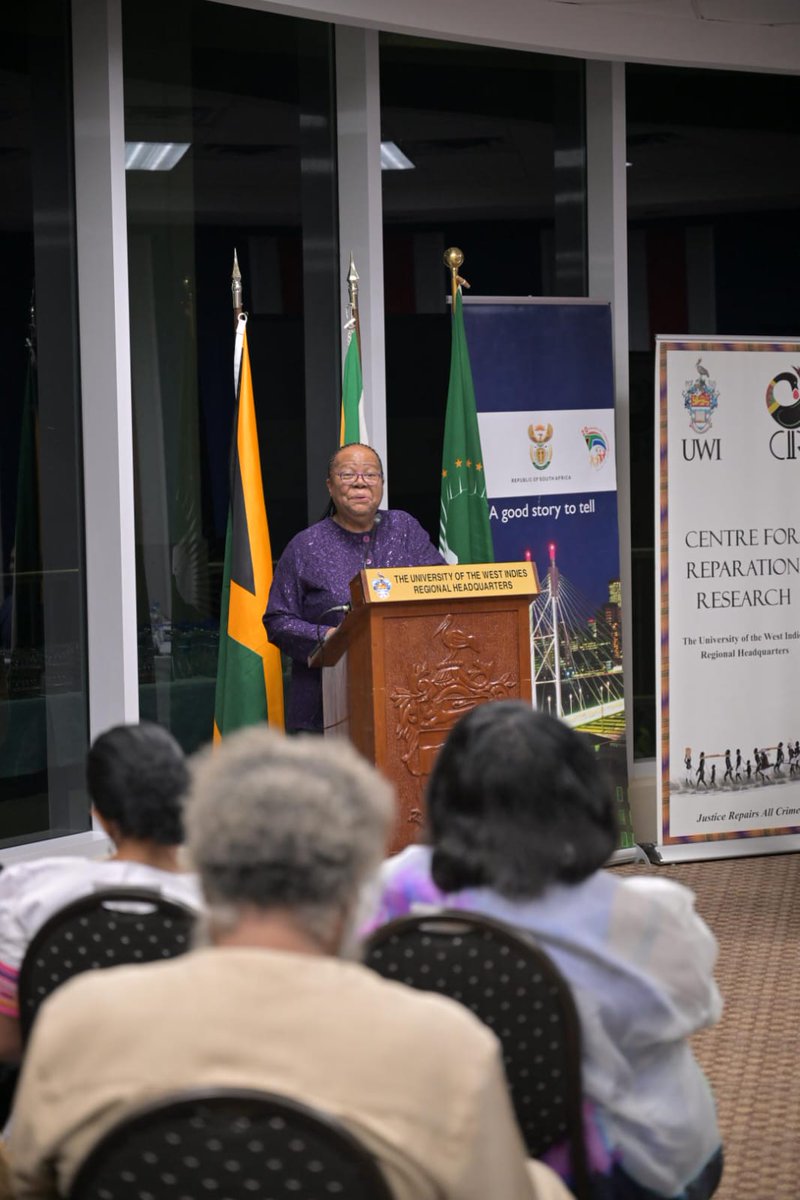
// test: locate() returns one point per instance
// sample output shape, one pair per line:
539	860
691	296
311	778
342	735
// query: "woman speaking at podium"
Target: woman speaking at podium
310	590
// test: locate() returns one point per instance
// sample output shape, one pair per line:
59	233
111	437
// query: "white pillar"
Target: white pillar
361	210
105	363
608	280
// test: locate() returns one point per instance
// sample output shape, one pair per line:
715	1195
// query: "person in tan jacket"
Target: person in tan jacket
284	833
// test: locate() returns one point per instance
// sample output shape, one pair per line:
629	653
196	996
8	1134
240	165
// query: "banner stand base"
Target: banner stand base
627	854
663	855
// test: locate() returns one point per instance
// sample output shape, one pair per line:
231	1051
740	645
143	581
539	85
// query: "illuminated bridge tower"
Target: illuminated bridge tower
576	660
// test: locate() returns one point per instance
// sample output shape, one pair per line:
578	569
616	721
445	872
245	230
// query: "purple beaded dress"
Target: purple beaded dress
311	581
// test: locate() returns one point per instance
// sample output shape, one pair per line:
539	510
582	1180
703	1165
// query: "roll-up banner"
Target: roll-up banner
728	578
543	379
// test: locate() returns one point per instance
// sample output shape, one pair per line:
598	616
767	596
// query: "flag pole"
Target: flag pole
453	259
30	340
236	291
239	321
464	531
354	321
249	681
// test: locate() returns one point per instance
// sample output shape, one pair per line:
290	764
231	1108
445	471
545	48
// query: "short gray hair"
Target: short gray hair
294	823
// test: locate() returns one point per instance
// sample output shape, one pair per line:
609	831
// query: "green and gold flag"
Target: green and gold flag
464	532
249	680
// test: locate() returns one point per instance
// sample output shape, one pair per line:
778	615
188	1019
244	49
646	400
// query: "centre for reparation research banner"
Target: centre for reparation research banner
728	532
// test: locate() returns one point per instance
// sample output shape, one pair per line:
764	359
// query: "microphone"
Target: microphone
336	608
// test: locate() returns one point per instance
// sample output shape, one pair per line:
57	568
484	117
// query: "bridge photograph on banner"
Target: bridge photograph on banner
728	563
544	392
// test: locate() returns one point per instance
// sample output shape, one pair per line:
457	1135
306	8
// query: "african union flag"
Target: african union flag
465	535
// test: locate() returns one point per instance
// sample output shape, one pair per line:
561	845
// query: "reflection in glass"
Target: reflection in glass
498	146
43	712
713	186
250	96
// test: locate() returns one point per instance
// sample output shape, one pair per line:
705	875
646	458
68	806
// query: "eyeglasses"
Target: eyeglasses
370	477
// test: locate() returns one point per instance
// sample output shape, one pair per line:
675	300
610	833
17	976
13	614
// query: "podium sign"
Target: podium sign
427	583
402	668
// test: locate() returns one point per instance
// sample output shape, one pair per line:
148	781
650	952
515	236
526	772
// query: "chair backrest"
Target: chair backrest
512	985
236	1144
105	928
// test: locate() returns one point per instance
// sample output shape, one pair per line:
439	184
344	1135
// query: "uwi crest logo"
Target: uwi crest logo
541	450
381	586
700	399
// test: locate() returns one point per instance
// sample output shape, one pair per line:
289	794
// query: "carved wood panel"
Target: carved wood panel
437	667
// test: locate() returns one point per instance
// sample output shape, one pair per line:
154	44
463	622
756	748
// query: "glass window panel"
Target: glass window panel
497	142
713	206
43	709
250	95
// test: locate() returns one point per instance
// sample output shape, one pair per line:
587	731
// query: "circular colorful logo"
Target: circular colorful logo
787	414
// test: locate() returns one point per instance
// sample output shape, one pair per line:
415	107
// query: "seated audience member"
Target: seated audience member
283	832
521	819
136	776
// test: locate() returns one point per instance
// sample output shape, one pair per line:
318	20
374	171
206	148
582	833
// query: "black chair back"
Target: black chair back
105	928
512	985
232	1144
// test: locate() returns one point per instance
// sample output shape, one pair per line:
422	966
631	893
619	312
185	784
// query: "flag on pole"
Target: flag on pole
353	426
191	599
27	617
249	678
464	532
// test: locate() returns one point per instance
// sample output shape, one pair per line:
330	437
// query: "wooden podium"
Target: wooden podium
420	647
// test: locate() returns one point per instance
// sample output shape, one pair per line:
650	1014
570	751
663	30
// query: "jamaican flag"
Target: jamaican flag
249	681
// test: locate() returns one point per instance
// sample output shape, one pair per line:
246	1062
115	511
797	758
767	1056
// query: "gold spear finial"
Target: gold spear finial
353	324
236	289
453	258
352	287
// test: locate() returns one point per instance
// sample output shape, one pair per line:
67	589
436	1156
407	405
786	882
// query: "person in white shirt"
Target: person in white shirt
137	778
